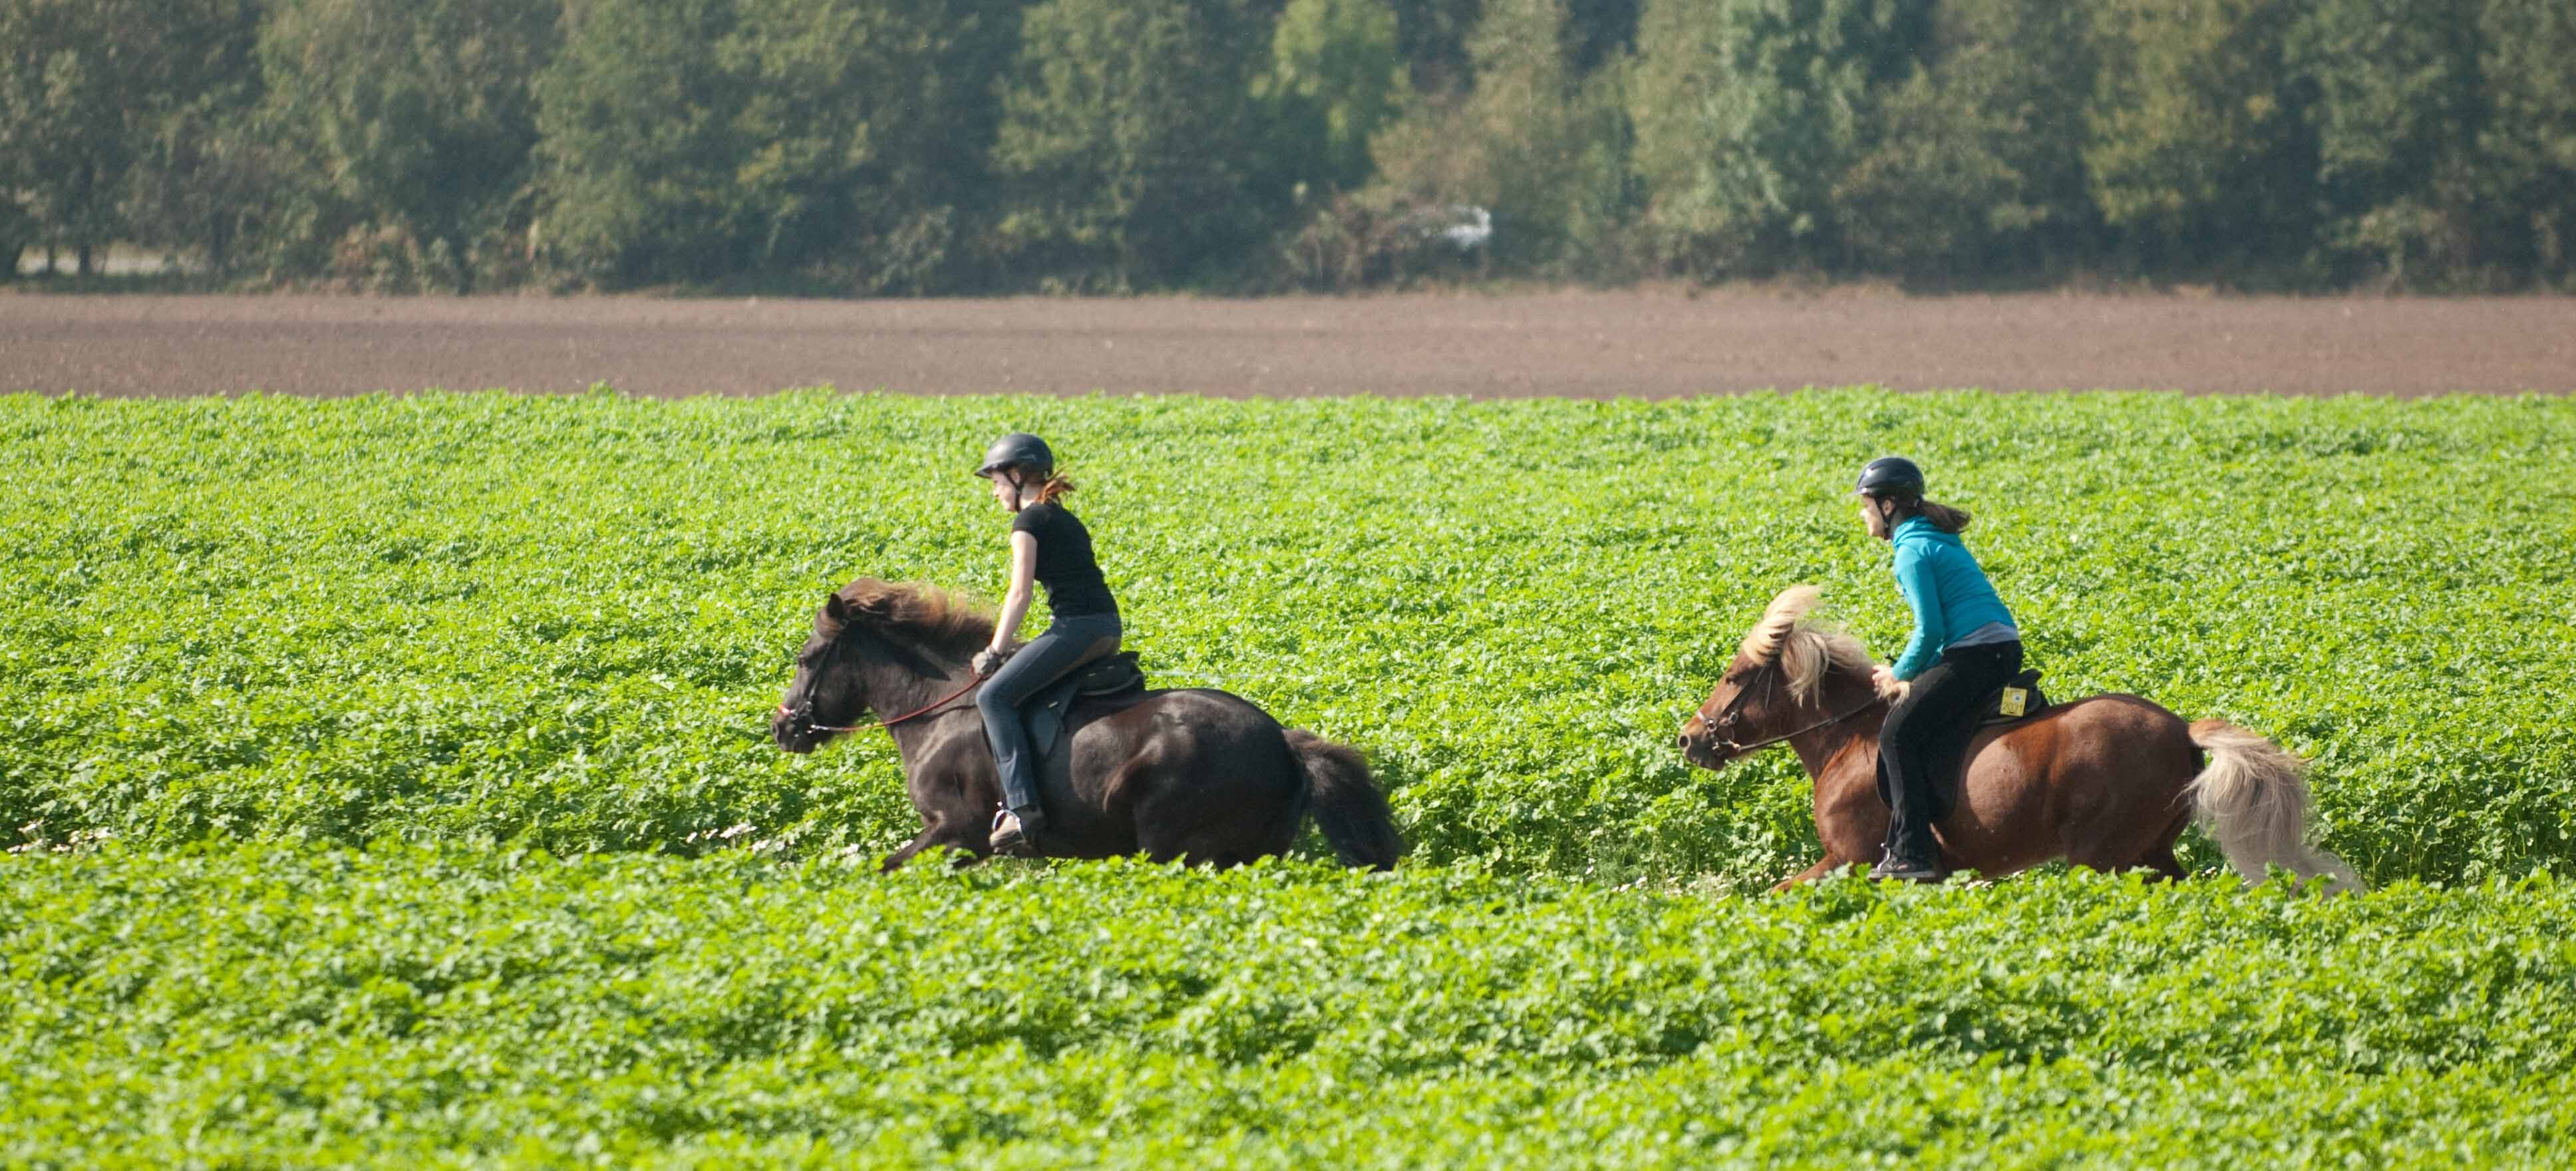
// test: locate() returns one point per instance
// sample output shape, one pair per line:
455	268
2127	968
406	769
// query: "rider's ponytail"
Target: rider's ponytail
1056	485
1942	516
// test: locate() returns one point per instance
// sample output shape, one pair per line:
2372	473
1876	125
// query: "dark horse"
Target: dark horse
2107	782
1195	774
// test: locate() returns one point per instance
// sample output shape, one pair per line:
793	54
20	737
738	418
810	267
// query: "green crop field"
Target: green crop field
389	782
285	1006
561	622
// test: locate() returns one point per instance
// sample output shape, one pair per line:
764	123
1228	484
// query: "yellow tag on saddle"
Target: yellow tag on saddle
2016	701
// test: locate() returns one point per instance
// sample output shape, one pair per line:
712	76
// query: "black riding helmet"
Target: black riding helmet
1892	476
1021	450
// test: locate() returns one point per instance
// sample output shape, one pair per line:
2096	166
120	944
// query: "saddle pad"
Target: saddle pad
2018	700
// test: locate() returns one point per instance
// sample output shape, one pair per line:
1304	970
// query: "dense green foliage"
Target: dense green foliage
833	140
1978	162
2199	140
1755	110
421	113
465	630
1336	77
969	145
1533	140
1131	144
563	620
286	1007
107	104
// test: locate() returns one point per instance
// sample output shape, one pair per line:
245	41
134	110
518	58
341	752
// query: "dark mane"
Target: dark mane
927	613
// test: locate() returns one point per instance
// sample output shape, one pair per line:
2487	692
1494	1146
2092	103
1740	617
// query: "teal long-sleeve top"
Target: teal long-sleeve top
1946	589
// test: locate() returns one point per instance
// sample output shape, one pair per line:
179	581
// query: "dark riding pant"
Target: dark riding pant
1065	647
1923	748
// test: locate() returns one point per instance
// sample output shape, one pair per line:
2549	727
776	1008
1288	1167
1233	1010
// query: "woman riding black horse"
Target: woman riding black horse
1049	545
1965	647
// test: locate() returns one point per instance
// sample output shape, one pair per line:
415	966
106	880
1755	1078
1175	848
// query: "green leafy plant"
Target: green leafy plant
562	621
278	1005
357	751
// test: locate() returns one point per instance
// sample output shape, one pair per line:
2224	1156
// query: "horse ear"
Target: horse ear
836	609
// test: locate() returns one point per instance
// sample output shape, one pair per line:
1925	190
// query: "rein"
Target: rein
914	714
1734	749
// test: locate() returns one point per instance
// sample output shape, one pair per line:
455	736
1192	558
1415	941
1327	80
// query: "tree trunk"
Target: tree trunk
456	256
87	182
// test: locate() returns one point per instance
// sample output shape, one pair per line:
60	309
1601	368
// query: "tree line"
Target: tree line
952	146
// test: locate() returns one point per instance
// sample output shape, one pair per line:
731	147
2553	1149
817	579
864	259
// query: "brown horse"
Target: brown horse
2107	782
1196	774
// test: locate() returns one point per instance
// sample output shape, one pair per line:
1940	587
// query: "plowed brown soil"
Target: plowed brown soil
1568	343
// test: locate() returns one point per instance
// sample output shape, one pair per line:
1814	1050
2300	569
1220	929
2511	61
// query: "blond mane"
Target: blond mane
1799	646
926	612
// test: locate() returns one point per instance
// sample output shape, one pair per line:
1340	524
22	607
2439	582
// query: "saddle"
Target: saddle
2018	700
1117	677
2012	703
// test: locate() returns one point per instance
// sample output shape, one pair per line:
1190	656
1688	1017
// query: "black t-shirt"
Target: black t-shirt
1065	565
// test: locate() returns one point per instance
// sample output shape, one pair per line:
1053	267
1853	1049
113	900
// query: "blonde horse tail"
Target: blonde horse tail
2253	798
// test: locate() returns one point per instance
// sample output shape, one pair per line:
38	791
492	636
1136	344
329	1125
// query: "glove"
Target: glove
988	661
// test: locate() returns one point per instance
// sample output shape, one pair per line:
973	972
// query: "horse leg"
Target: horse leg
2110	855
1851	819
2160	856
1202	834
2162	853
1199	839
943	831
1164	839
1824	866
1216	800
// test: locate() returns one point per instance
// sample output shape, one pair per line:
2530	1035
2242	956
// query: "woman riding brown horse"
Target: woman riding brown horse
1197	775
2107	782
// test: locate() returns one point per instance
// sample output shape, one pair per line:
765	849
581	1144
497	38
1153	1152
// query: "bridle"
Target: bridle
786	712
906	717
1735	751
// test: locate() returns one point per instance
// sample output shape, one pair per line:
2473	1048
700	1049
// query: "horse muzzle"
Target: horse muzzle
1700	745
793	730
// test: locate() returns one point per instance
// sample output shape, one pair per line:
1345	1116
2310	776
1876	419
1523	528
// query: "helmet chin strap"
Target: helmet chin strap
1888	507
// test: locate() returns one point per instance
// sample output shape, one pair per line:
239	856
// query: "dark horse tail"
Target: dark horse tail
1347	805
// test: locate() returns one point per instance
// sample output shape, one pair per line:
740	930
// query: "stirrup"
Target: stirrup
1906	870
1010	838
